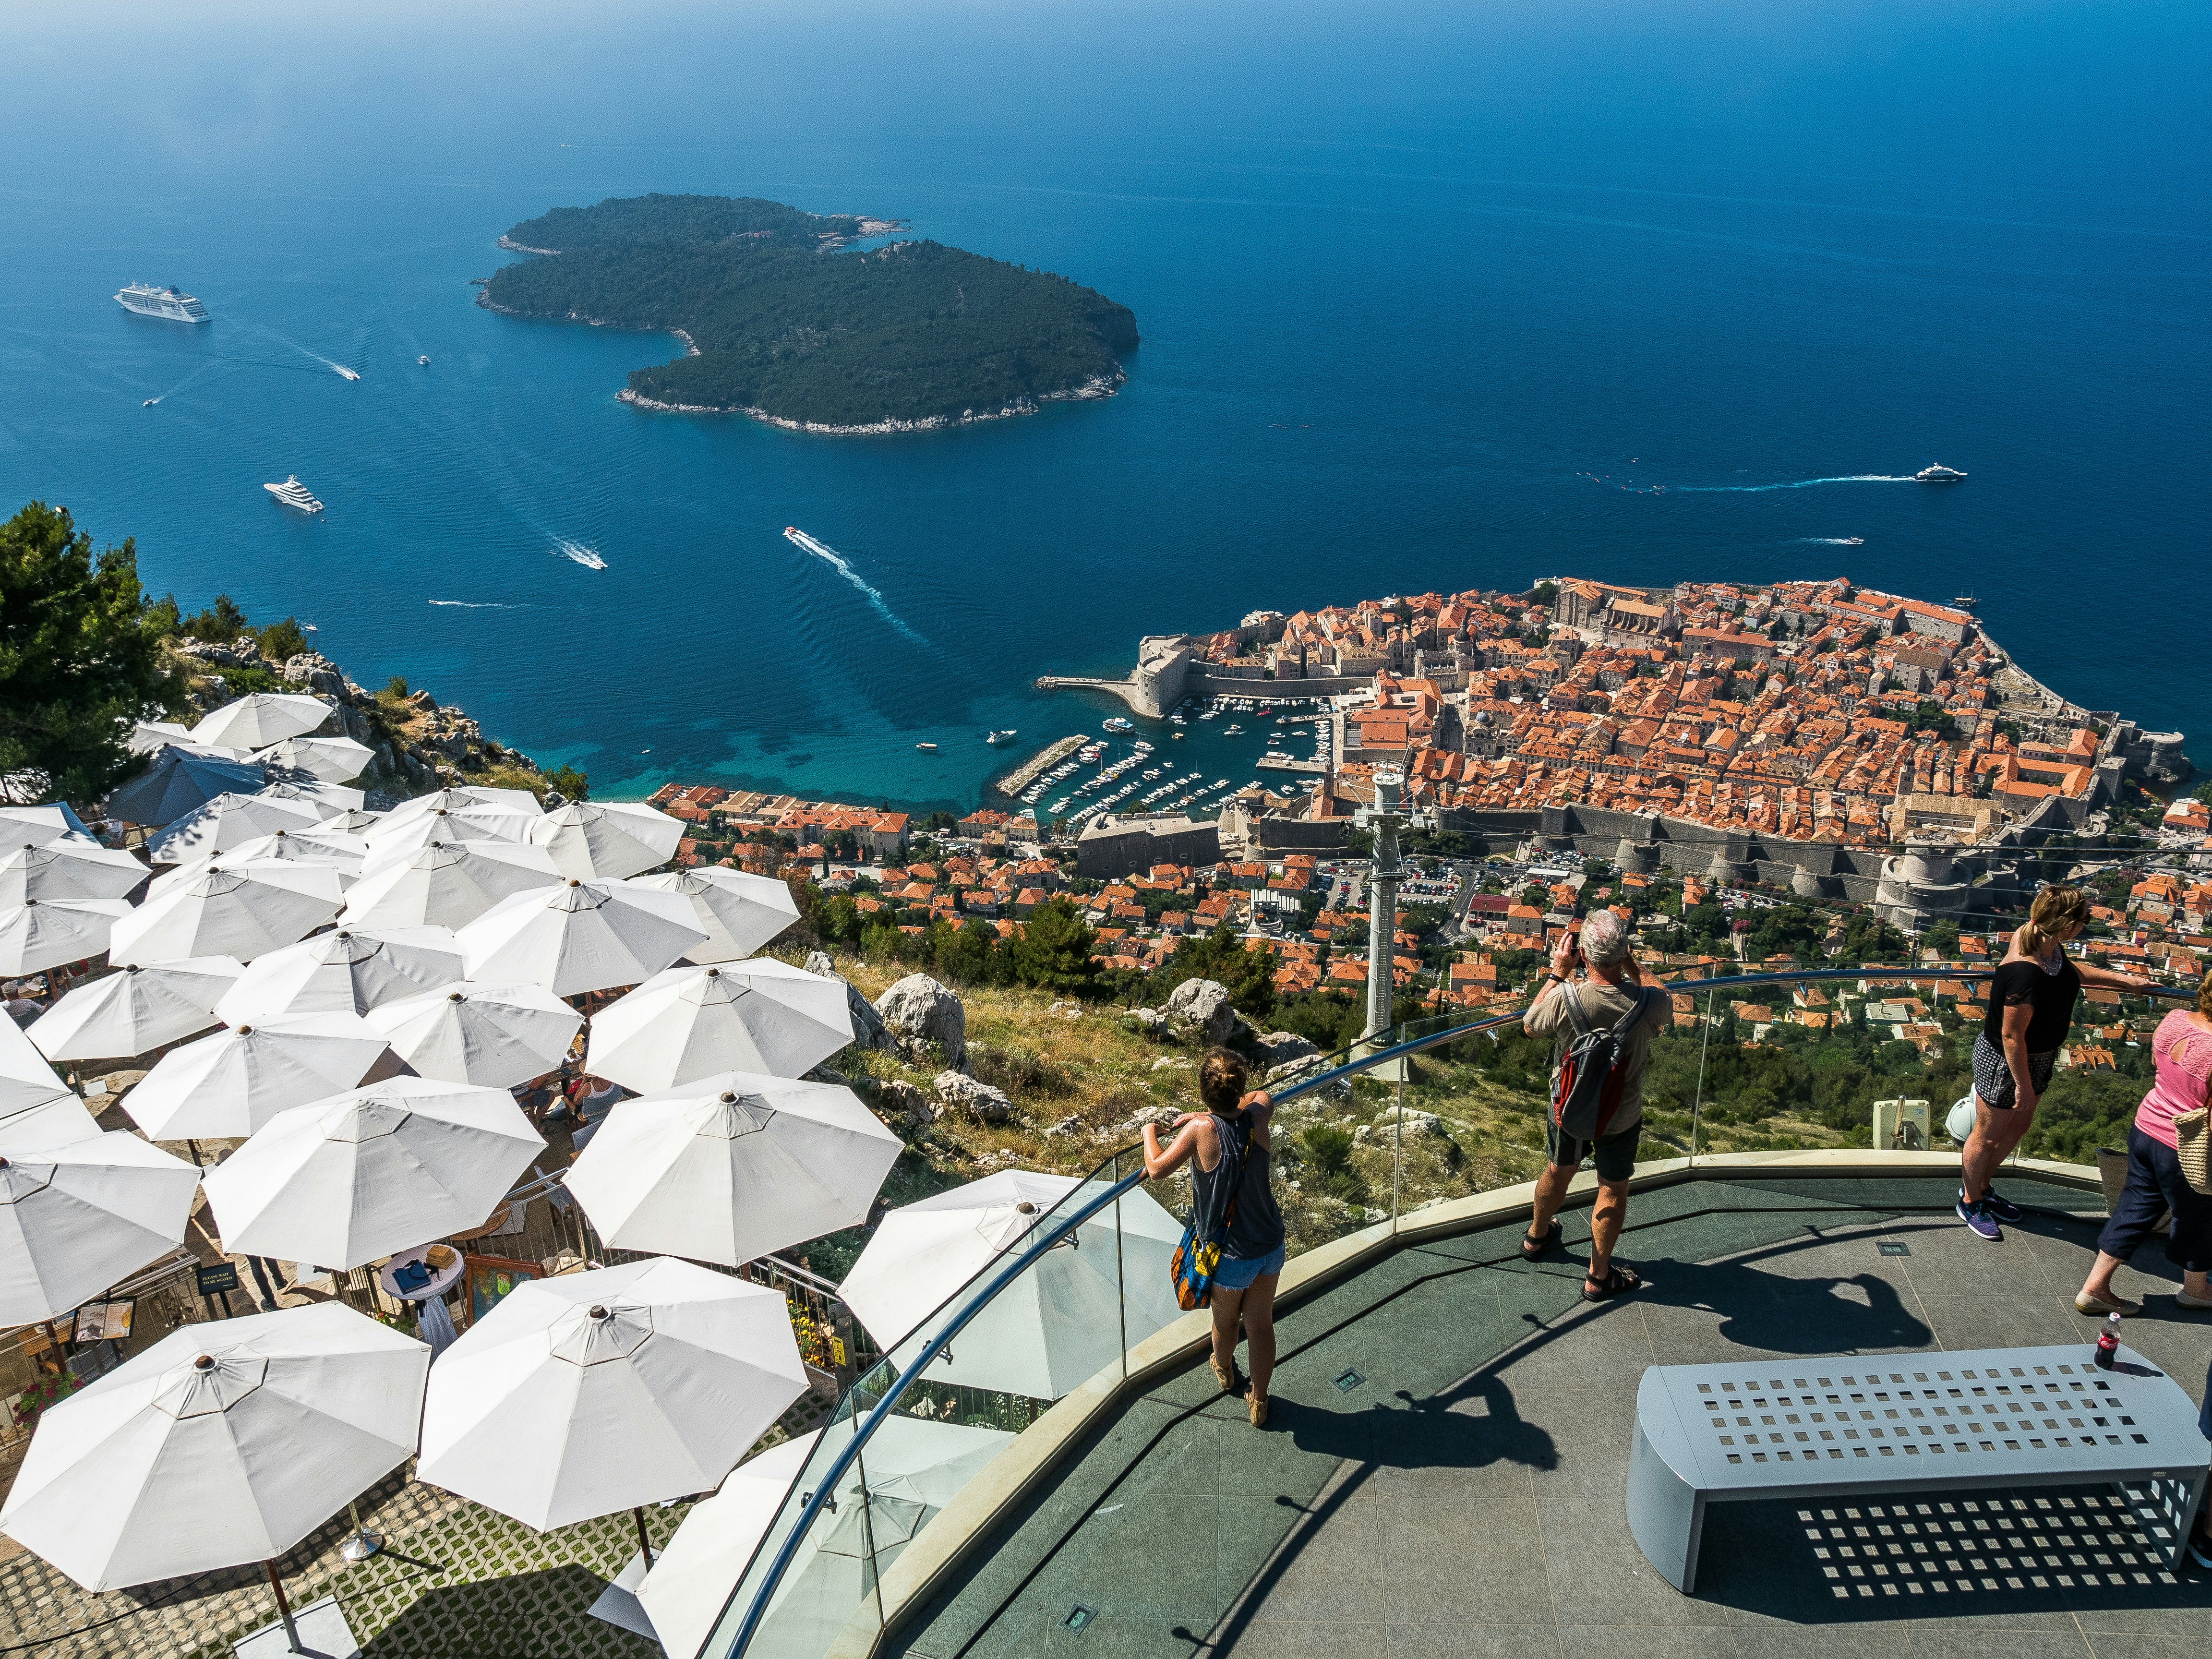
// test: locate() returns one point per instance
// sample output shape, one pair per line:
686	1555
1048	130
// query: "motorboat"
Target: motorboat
295	494
926	748
995	739
349	373
1938	473
424	360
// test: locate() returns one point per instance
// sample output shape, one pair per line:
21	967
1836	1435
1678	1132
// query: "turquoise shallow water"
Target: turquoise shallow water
1406	278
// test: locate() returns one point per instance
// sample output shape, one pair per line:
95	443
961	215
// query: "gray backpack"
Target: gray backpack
1587	1087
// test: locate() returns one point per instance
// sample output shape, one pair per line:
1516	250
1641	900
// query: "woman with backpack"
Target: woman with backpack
1233	1205
2032	998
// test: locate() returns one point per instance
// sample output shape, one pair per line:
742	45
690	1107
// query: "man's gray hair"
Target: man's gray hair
1605	939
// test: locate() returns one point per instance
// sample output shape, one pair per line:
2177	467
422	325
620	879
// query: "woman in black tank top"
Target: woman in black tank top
1228	1143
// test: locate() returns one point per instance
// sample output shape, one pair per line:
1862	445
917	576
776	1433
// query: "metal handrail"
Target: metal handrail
1035	1242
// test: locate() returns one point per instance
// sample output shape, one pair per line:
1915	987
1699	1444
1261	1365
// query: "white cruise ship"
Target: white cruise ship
170	303
293	493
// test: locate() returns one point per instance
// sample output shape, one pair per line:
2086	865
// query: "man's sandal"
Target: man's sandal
1534	1249
1619	1281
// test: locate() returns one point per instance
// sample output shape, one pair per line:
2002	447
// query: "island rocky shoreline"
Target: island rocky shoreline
1099	386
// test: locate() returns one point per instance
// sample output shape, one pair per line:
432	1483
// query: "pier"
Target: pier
1125	689
1038	765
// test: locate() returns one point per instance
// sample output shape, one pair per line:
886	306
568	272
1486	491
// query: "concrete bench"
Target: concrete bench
1776	1428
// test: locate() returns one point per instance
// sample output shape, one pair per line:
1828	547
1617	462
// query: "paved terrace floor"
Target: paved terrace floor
1466	1497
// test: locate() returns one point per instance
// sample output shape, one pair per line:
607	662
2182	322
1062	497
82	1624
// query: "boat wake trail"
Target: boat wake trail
1796	483
476	604
805	542
581	552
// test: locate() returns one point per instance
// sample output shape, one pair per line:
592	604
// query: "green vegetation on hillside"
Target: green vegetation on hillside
79	654
784	326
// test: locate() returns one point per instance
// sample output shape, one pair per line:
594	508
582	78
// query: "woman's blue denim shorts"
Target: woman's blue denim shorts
1239	1275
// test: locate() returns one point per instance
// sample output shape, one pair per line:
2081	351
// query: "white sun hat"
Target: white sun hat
629	1385
120	1016
223	1444
66	870
593	842
686	1023
261	718
233	1082
343	1181
740	912
42	934
241	910
732	1167
581	936
446	883
1058	1324
348	971
75	1219
495	1035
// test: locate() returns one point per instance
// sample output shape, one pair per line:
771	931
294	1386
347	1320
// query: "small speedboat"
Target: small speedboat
926	748
424	360
150	403
350	374
1938	473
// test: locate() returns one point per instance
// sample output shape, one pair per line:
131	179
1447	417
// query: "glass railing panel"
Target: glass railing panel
807	1612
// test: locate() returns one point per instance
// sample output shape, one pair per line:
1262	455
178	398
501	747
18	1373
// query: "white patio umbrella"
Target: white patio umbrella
594	843
394	837
332	758
343	1181
151	736
495	1035
692	1577
913	1468
40	824
66	869
222	1444
261	718
42	934
239	910
37	1108
628	1385
583	936
235	1081
348	971
123	1015
217	825
740	912
1054	1328
732	1167
470	795
354	821
446	883
177	782
75	1219
761	1015
325	800
305	846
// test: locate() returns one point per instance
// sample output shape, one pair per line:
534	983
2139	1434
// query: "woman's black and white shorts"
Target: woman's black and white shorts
1993	1079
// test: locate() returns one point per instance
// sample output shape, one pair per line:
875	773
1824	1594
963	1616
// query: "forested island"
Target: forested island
787	325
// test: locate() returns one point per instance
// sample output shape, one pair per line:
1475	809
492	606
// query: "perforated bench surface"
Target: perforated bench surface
2000	1417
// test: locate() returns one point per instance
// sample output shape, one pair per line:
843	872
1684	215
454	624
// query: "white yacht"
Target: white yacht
171	303
293	493
1938	474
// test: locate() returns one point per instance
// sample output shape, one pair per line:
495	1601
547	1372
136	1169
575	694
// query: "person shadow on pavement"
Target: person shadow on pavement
1777	1313
1470	1425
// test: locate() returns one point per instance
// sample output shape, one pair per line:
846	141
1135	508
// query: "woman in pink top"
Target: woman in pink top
2182	1050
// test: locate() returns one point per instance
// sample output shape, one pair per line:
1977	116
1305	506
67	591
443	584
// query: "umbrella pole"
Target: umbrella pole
644	1538
284	1607
363	1543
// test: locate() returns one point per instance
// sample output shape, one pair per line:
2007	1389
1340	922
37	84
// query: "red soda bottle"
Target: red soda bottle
2108	1343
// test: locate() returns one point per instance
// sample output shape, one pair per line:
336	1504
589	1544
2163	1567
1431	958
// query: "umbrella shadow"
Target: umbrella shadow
546	1611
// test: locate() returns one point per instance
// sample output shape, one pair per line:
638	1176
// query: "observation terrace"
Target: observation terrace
1444	1471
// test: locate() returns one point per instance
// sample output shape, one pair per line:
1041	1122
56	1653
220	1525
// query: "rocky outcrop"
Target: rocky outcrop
869	1031
978	1101
1199	1011
907	1106
1280	1048
925	1019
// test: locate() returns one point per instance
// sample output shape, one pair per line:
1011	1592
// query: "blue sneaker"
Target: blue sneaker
1979	1220
1998	1204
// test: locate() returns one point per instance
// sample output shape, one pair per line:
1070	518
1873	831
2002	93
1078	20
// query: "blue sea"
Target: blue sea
1432	296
